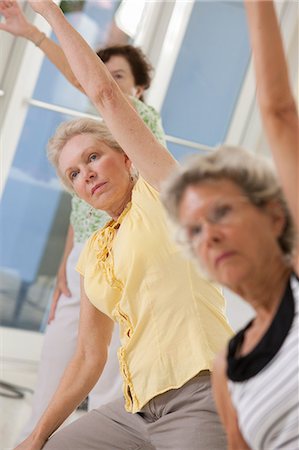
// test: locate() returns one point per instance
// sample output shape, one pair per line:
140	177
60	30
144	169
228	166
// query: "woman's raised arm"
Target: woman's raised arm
276	102
151	159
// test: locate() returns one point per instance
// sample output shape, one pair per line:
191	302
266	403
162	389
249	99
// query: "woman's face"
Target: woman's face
122	73
98	174
232	239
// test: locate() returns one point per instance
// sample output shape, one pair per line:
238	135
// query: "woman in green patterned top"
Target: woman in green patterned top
132	72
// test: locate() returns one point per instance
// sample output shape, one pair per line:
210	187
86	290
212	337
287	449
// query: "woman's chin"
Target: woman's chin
97	203
232	278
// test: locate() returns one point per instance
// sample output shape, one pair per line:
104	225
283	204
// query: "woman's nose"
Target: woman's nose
89	174
211	233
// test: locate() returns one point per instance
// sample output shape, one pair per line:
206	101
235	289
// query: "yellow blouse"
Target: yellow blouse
172	321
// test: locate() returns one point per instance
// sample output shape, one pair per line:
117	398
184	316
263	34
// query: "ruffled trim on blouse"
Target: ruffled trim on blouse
132	402
104	241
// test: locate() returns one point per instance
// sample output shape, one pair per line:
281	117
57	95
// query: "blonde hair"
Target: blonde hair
67	130
254	175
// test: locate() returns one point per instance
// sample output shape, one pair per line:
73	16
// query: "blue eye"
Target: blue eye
73	175
93	157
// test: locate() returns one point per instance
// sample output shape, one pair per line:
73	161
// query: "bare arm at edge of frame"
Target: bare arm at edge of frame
275	98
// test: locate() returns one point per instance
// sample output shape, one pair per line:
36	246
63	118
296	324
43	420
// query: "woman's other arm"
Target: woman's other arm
225	407
152	160
83	371
61	286
277	104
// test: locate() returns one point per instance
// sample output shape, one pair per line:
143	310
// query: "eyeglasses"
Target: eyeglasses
221	213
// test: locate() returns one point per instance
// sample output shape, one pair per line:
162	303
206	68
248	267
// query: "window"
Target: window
197	47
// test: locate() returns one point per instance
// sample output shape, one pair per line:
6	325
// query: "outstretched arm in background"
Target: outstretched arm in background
17	24
154	162
276	102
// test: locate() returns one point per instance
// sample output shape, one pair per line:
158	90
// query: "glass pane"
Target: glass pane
33	223
34	208
182	152
208	74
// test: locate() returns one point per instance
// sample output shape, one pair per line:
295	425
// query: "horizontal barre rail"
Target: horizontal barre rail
191	144
60	109
74	113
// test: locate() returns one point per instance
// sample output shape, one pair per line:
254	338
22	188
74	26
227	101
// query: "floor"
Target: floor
15	412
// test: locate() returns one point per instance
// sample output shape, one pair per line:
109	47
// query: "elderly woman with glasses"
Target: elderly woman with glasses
240	224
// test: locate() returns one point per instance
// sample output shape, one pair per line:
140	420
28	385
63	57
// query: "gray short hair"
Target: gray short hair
68	130
254	175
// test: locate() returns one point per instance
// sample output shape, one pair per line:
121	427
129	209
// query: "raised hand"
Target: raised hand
42	6
15	20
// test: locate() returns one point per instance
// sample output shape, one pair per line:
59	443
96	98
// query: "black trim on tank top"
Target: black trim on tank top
244	367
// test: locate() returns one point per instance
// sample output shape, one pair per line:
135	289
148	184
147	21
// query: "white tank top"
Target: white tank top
264	384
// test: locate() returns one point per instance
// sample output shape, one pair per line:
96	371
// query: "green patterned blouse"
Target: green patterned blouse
85	219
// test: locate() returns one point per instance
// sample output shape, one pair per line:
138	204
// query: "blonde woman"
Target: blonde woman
172	321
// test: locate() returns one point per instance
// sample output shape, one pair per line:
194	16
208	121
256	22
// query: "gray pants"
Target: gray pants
180	419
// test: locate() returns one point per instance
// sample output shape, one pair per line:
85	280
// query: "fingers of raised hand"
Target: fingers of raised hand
5	5
40	6
8	8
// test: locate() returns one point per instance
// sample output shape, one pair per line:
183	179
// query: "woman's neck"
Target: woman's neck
265	298
119	208
264	292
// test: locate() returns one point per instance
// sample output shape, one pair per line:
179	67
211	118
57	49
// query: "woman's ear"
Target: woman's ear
139	90
128	162
277	216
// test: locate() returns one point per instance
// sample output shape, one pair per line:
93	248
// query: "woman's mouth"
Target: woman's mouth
223	256
98	187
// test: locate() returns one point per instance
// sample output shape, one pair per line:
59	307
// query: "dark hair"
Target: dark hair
140	66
